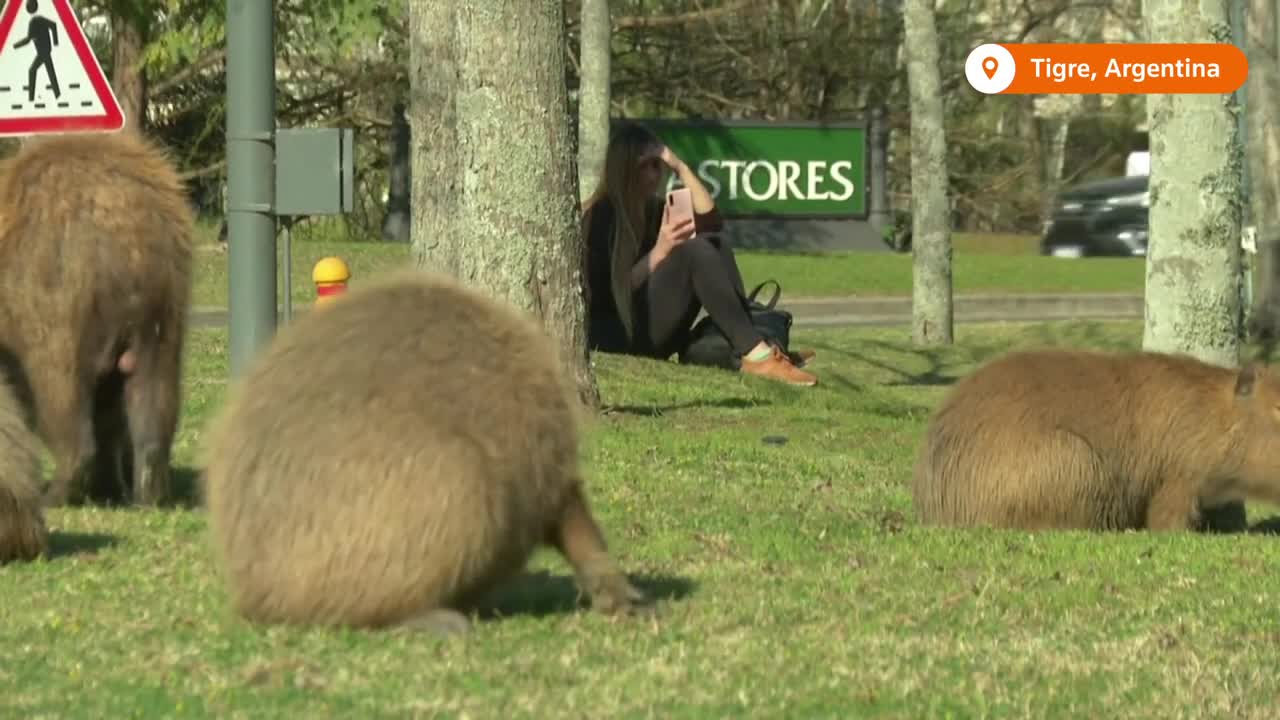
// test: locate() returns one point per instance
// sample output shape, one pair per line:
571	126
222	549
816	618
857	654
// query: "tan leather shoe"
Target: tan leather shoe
777	366
799	358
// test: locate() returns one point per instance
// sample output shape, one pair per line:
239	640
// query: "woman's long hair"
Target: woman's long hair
634	213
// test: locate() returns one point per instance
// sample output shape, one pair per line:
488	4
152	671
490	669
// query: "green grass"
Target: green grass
794	582
982	264
866	273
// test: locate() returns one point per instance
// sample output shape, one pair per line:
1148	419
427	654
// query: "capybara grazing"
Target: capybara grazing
389	460
96	233
23	535
1057	439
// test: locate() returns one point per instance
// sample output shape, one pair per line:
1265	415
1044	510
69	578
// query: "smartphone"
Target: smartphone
679	205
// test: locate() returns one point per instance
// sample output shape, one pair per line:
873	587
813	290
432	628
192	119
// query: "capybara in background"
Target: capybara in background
23	534
391	458
95	236
1057	439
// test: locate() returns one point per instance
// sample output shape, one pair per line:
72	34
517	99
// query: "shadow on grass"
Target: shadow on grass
184	491
945	365
186	487
540	594
1269	526
932	376
657	410
66	544
830	378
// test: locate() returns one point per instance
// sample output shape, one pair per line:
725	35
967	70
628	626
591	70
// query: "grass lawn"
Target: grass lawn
982	264
795	582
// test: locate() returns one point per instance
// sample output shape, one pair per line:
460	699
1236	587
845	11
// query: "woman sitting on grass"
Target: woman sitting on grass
648	279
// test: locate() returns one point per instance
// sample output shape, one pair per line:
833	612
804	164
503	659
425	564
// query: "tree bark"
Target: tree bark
1193	258
128	77
593	94
434	204
500	211
931	311
1052	115
1263	118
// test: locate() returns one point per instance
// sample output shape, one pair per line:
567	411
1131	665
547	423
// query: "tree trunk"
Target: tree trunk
493	115
128	77
435	154
1052	116
931	313
1264	157
593	94
1193	259
396	222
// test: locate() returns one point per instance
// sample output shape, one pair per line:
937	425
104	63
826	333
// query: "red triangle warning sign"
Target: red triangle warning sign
50	80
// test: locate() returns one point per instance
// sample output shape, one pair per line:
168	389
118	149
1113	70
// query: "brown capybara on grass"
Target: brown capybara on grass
95	236
391	458
1058	439
23	535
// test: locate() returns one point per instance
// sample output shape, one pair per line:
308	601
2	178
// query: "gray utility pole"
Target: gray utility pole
1239	37
251	222
271	173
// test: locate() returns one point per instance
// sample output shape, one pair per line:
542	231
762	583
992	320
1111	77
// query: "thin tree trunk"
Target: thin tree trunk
1193	260
433	136
1053	124
1263	119
593	94
931	309
513	228
396	224
128	77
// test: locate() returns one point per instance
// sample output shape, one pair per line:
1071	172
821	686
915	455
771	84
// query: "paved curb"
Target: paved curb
885	310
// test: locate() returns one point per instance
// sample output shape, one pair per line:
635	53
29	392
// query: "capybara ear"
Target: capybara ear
1245	380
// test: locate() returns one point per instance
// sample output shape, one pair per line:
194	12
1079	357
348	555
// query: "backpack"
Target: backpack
708	345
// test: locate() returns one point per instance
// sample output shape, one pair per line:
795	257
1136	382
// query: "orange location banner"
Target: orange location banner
1091	68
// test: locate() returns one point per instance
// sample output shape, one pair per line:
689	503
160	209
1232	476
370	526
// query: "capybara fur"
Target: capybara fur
96	236
23	534
1060	439
393	457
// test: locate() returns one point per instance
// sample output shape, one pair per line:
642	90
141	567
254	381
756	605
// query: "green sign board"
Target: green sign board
774	170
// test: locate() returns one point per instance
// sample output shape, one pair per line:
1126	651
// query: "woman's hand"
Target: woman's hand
671	235
672	160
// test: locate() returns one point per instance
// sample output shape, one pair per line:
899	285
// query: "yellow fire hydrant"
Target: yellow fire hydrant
330	276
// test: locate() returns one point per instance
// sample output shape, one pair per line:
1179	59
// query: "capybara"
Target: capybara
390	460
96	236
1057	439
23	534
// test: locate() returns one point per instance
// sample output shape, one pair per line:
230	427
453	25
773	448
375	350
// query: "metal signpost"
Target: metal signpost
287	172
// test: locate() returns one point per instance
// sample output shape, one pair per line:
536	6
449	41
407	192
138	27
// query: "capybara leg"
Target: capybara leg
1172	508
73	448
442	622
109	484
151	404
23	534
151	480
579	539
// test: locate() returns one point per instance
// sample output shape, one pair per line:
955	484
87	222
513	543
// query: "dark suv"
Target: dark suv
1100	218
